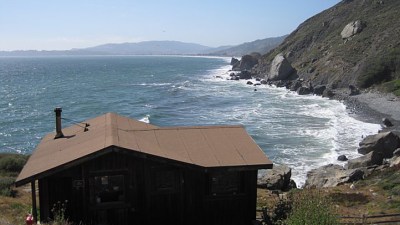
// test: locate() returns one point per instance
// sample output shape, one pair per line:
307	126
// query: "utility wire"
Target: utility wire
84	126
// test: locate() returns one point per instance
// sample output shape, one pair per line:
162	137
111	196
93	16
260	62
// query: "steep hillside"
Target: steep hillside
318	52
261	46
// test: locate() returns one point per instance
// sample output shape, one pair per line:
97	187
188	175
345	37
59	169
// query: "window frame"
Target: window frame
93	192
217	188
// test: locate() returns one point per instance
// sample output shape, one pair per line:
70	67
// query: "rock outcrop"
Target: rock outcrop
304	90
277	178
387	123
281	69
370	159
342	158
234	61
319	89
244	75
352	29
331	176
385	143
247	62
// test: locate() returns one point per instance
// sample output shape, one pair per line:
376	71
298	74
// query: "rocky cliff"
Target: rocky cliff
356	42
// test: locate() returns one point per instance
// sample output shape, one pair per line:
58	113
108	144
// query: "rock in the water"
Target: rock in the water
277	178
387	122
249	83
234	61
352	29
280	69
264	82
328	93
244	75
304	91
385	143
342	158
370	159
296	85
234	78
331	176
319	89
246	63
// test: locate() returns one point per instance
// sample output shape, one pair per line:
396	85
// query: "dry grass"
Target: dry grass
14	210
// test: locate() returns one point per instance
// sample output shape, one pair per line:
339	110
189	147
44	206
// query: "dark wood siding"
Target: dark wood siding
155	192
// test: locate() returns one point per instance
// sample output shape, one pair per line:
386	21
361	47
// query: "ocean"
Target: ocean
303	132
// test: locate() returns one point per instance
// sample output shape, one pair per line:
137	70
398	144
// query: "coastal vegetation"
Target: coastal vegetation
383	70
10	165
378	194
14	203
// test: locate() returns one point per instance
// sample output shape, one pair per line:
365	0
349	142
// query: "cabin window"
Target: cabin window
225	183
164	181
107	189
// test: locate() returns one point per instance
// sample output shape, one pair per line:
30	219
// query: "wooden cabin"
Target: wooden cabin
122	171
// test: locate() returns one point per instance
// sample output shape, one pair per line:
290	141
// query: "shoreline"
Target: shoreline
371	107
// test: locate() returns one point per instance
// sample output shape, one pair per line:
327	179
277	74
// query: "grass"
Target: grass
378	194
312	207
14	209
10	165
15	203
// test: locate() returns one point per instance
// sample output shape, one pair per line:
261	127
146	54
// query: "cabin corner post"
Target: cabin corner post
34	207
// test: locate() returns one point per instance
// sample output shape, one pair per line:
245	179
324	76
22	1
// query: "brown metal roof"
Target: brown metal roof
212	146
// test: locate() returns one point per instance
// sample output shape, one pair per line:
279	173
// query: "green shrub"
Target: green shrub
12	162
392	86
311	207
279	213
379	69
6	184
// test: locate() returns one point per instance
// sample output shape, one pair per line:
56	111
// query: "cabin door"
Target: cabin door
165	205
108	199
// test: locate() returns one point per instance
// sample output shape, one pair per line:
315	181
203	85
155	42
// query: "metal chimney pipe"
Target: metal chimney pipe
59	133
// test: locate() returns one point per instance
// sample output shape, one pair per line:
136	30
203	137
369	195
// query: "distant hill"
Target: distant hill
261	46
149	48
320	54
140	48
159	48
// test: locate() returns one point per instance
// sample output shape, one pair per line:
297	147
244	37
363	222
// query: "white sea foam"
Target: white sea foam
304	132
145	119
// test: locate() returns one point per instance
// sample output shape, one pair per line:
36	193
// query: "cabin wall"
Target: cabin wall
149	191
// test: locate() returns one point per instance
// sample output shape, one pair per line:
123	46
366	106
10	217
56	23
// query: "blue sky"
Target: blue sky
59	25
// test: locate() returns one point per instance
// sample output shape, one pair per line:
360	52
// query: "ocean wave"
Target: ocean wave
145	119
301	131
